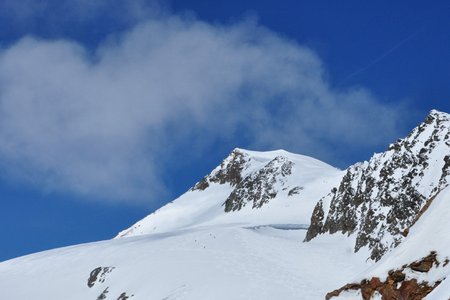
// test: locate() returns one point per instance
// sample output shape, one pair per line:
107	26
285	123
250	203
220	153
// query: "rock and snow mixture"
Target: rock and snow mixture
248	187
418	267
378	230
379	200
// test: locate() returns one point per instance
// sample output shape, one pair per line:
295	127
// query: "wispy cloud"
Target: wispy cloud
100	124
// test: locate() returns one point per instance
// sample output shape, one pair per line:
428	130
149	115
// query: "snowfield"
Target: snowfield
192	249
211	262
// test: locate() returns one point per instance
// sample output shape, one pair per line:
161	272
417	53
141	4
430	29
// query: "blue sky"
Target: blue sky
110	109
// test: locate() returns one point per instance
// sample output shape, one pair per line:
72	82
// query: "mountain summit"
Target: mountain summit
379	200
248	187
377	230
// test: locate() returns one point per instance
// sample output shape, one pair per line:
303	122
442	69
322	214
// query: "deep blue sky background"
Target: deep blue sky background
400	50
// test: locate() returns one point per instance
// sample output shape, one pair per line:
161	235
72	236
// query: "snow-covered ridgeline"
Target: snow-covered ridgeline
419	263
377	201
248	187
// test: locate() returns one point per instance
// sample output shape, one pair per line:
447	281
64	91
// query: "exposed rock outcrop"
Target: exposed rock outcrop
98	275
380	199
255	187
397	284
230	171
259	187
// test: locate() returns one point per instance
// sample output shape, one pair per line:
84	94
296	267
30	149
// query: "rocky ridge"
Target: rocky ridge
377	201
252	185
401	283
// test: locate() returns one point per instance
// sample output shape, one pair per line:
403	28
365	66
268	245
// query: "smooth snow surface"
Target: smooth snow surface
213	262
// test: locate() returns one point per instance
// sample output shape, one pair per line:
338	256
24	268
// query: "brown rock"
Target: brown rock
388	292
335	293
408	288
422	266
375	282
367	291
332	294
425	264
397	275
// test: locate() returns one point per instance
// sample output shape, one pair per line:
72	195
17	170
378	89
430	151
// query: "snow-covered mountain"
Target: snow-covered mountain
235	235
379	200
378	230
418	267
248	188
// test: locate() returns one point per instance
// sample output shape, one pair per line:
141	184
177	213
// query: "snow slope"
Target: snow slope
212	262
297	181
237	233
429	234
193	248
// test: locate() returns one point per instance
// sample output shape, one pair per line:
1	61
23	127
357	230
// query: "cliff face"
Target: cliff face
260	187
380	199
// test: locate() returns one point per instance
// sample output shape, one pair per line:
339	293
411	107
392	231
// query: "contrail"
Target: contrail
381	57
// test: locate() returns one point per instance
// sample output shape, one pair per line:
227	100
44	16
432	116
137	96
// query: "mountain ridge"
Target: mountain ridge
377	230
246	187
379	199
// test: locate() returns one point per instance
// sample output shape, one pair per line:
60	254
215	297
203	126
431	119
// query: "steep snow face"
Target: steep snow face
379	200
428	238
249	187
215	262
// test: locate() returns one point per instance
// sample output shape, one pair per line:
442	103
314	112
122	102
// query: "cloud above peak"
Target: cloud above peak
100	124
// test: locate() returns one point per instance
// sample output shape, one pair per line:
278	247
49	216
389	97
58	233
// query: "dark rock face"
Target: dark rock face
396	286
229	171
380	199
254	188
316	226
258	188
98	275
93	276
294	191
102	296
124	296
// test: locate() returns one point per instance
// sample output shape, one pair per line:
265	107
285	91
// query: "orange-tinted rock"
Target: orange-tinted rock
408	288
395	286
375	282
335	293
367	292
388	292
397	276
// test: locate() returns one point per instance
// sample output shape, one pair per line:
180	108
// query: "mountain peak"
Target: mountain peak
439	114
380	199
249	187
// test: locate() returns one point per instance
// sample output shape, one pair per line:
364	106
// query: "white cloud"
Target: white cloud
100	124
